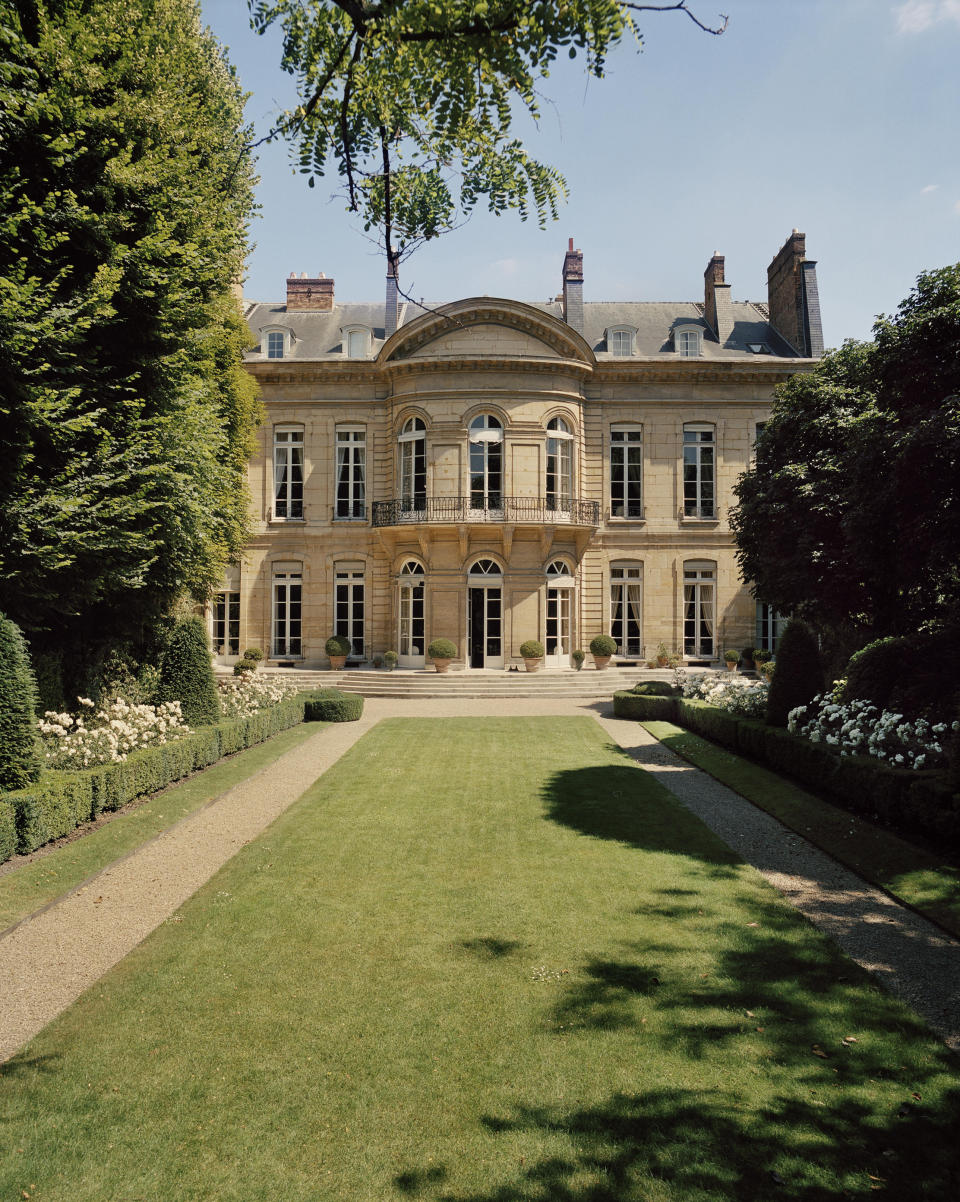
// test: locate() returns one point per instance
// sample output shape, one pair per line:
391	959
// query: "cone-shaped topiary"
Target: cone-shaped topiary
799	675
19	747
186	674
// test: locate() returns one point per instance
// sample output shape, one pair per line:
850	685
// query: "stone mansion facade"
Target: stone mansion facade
492	471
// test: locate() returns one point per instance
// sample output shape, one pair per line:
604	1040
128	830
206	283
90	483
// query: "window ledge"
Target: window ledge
690	520
627	520
273	520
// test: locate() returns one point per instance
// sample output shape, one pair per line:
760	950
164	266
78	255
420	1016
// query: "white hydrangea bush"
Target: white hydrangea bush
860	728
92	736
241	696
739	695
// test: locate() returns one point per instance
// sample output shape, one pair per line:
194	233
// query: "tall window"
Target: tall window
348	607
626	472
620	342
626	607
411	625
559	598
226	623
486	463
274	344
351	474
412	445
357	344
769	627
699	464
288	473
559	464
287	606
687	343
699	609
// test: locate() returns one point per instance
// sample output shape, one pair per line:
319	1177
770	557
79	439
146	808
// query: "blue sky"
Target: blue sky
837	117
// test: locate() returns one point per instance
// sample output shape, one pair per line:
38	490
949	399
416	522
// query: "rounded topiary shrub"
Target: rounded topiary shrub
19	748
799	675
338	644
186	674
244	665
442	649
603	644
531	649
330	705
254	654
874	672
654	688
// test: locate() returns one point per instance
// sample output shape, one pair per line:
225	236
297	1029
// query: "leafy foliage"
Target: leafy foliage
125	413
186	674
603	644
799	675
412	102
851	514
19	749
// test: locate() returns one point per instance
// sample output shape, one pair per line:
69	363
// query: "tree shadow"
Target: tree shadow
29	1064
489	947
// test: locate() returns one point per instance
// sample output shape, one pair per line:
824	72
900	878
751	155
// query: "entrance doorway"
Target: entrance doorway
557	643
410	624
485	615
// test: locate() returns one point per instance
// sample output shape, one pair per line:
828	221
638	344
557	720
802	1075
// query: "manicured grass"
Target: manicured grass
917	877
33	884
483	961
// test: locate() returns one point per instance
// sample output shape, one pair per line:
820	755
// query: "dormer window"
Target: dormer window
620	341
356	342
275	342
688	341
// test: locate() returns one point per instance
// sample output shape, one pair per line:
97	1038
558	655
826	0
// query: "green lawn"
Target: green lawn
27	887
483	961
922	879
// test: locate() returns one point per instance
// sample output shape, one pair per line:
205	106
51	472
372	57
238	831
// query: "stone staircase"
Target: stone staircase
588	684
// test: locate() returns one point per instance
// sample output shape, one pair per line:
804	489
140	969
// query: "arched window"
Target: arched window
699	608
558	630
626	607
486	567
411	615
486	462
412	454
559	465
558	572
485	615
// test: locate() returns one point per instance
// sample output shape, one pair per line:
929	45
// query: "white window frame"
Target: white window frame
688	341
628	436
350	481
350	607
621	341
225	628
559	466
699	471
412	465
700	591
288	473
286	624
485	432
269	345
624	575
769	627
356	341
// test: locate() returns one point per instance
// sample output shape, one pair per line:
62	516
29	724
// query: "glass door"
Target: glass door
485	621
558	637
411	616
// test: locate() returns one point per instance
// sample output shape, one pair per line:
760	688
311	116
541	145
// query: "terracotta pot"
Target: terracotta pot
731	664
532	665
337	662
662	661
601	661
442	665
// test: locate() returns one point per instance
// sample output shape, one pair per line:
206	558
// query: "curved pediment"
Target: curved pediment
486	328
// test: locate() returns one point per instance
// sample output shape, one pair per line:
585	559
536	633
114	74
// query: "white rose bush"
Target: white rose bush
859	728
107	735
241	696
738	695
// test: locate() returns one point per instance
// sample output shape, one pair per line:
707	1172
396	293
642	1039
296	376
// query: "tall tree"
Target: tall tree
412	102
125	415
851	514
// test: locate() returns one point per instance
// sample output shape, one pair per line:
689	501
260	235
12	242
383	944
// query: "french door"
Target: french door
411	616
485	626
557	645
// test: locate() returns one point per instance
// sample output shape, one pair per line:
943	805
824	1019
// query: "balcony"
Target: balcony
540	511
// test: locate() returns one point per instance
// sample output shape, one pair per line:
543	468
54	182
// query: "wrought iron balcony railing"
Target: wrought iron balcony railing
539	510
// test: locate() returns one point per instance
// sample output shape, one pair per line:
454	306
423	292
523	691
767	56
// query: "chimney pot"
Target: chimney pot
304	292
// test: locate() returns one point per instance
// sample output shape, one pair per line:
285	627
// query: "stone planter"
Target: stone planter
532	665
601	661
337	662
731	664
442	665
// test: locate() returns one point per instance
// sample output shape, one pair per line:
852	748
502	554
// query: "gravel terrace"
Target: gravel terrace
50	958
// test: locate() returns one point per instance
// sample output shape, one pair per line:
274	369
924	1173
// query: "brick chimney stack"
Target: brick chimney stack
794	299
716	299
573	288
392	304
309	292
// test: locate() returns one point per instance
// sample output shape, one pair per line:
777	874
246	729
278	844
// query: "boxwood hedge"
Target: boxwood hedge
330	705
644	708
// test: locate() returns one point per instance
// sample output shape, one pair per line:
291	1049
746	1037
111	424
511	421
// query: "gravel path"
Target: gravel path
48	960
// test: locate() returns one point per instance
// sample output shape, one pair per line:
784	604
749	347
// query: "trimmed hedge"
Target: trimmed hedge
330	705
8	830
902	798
19	745
645	707
60	801
654	688
186	673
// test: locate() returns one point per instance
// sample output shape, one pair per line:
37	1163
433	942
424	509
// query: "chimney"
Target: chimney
716	299
390	312
793	297
573	288
309	292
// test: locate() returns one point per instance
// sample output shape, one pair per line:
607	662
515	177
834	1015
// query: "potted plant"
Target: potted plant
532	654
378	661
390	659
766	669
663	655
442	651
731	658
578	657
746	660
337	648
602	648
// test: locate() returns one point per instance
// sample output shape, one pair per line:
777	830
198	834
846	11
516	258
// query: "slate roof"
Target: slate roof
317	334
